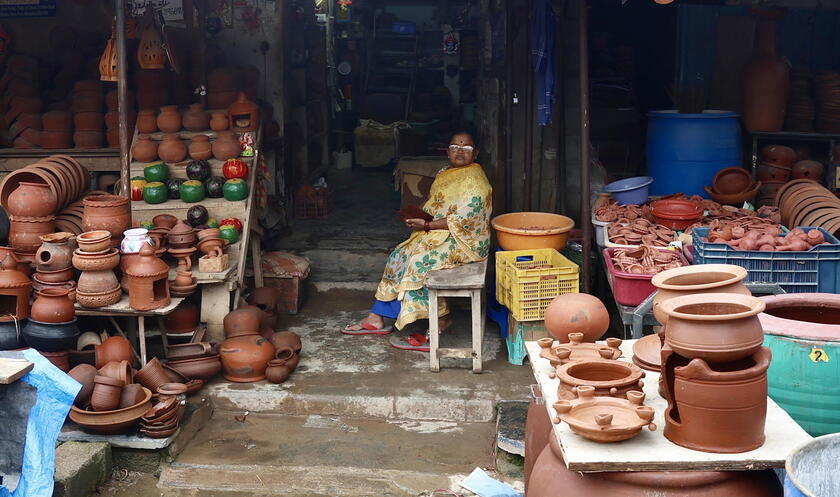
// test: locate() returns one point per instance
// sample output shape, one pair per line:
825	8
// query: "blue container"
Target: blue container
684	151
812	468
632	191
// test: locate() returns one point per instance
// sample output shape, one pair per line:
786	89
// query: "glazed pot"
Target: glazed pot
84	374
152	375
576	313
241	322
219	121
283	339
118	371
226	146
53	306
704	278
183	319
113	349
200	148
200	368
58	359
51	337
146	121
55	252
25	232
676	214
172	149
97	282
245	358
106	393
196	118
608	378
134	239
31	200
106	212
695	321
10	334
766	79
145	150
131	395
169	119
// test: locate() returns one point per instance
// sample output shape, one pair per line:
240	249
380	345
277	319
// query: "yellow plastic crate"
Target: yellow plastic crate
528	280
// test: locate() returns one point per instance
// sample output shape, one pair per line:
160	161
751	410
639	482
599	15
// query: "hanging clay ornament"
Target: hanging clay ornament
150	53
108	59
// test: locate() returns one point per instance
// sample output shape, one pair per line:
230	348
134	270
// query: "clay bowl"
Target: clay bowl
732	180
165	221
152	375
118	371
70	286
202	368
809	206
111	422
85	261
94	241
158	434
676	214
647	350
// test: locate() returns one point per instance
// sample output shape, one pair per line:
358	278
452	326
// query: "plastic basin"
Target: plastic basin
630	191
532	230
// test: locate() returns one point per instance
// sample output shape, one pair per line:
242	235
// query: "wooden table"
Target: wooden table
651	451
123	309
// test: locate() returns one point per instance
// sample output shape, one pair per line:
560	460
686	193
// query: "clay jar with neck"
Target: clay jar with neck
766	76
703	278
226	146
200	148
31	200
146	121
145	150
245	358
169	119
196	118
172	149
219	121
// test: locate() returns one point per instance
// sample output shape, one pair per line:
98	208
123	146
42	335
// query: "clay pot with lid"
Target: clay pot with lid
31	200
245	358
55	252
52	305
145	150
196	118
172	149
181	235
577	313
146	121
703	278
169	119
200	148
219	121
226	146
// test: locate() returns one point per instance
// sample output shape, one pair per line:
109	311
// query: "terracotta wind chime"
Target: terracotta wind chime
150	52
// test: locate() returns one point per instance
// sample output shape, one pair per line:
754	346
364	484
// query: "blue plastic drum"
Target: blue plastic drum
812	468
684	151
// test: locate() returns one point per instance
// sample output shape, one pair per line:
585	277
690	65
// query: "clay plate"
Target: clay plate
822	217
647	349
799	220
788	185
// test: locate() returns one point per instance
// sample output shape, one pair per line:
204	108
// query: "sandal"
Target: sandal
365	328
414	341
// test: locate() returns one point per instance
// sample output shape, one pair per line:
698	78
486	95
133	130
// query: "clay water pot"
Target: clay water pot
145	150
695	323
113	349
199	368
276	372
84	374
146	121
766	80
283	339
50	337
106	212
704	278
196	118
106	393
608	378
131	395
200	148
169	119
58	359
97	282
55	252
219	121
10	334
118	371
52	305
242	322
245	358
152	375
226	146
31	200
576	313
172	149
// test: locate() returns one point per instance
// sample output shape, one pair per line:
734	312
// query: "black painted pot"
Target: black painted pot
10	336
51	337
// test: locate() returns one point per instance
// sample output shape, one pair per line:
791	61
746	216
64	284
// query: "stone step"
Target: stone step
325	456
346	265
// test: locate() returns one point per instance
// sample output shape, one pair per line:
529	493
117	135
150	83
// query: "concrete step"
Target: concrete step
346	265
326	456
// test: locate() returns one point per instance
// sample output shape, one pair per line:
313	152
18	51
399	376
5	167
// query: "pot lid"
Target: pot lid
10	277
181	228
147	264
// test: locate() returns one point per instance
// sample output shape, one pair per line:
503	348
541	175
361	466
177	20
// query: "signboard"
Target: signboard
173	10
27	8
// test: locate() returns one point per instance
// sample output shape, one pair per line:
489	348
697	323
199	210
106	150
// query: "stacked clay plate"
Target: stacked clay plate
803	202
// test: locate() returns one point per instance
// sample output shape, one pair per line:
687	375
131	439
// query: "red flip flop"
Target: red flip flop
367	329
414	341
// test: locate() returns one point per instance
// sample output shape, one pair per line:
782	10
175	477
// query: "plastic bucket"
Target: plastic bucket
811	469
630	191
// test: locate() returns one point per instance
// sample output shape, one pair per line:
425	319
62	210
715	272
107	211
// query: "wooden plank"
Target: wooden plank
123	308
467	276
651	451
11	370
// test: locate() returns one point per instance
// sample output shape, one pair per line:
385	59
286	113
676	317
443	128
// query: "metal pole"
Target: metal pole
508	107
584	144
529	114
122	102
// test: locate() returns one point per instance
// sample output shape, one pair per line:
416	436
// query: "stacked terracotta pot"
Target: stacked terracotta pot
804	202
801	109
21	105
163	419
53	264
112	118
31	208
773	171
87	102
96	259
57	130
152	88
827	86
111	213
52	328
733	186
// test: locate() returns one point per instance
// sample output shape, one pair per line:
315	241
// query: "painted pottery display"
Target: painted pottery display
84	374
113	349
695	323
32	200
243	115
605	419
608	378
145	149
704	278
242	322
111	422
245	358
766	78
14	288
226	146
200	148
152	375
172	149
148	287
118	371
577	313
196	118
53	306
106	212
134	240
10	334
219	121
201	368
50	337
169	119
25	232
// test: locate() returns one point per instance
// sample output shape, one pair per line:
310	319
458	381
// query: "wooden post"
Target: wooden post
122	88
583	27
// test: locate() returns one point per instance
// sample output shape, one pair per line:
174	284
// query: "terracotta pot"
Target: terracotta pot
112	121
169	119
25	232
200	368
152	375
219	121
695	321
111	422
51	337
766	81
131	395
608	378
118	371
106	393
172	149
277	373
94	241
200	148
112	349
778	155
84	374
146	121
181	235
103	261
88	139
808	169
196	119
226	146
538	428
705	278
88	121
100	299
245	358
56	139
183	319
53	306
576	313
145	150
106	212
283	339
58	359
732	180
95	282
165	221
57	120
60	276
241	322
55	252
31	200
88	340
265	298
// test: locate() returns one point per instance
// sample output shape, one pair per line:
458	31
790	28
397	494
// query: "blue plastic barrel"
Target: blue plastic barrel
684	151
811	470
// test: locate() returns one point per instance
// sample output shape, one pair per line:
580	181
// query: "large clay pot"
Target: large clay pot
551	478
576	313
196	119
146	121
59	359
244	358
695	324
172	149
25	232
538	429
145	150
84	374
703	278
53	306
200	148
106	212
241	322
31	200
226	146
766	78
55	252
283	339
169	119
51	337
219	121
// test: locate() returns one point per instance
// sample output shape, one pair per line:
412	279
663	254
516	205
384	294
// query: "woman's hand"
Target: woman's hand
415	224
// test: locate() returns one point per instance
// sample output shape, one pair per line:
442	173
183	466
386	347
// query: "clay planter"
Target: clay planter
106	393
94	241
241	322
202	368
277	372
169	119
732	180
10	336
695	323
146	121
200	148
113	349
58	359
53	306
84	374
111	422
97	282
152	375
196	118
145	150
245	358
577	313
605	419
226	146
704	278
131	395
608	378
118	371
283	339
106	212
31	200
86	261
55	252
219	121
172	149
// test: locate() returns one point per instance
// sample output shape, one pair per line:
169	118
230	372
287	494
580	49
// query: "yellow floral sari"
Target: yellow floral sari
462	196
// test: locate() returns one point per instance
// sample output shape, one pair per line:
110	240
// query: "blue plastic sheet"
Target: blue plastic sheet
56	392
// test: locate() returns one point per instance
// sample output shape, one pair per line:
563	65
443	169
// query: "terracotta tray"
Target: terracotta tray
605	419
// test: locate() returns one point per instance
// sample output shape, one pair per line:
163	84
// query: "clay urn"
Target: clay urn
169	119
226	146
147	281
84	374
52	305
245	358
145	150
576	313
131	395
219	121
200	148
243	114
196	118
113	349
283	339
55	252
766	78
703	278
14	288
277	372
106	393
106	212
242	322
31	200
146	121
172	149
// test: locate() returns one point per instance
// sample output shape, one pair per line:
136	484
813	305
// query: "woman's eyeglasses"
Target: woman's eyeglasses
465	148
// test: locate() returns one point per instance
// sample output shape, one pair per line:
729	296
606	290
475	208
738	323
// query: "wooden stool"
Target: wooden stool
462	281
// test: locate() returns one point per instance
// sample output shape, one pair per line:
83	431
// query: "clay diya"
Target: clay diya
608	378
577	350
605	419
